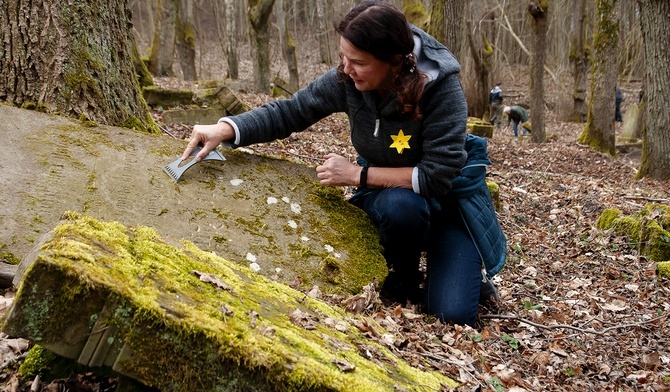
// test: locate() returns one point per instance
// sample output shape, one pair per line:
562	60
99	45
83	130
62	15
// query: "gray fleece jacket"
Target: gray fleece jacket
433	145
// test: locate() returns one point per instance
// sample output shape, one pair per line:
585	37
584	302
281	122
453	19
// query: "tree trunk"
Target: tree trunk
481	55
579	60
258	15
323	33
599	130
185	40
655	20
437	25
232	58
538	13
288	47
163	41
416	13
72	58
454	17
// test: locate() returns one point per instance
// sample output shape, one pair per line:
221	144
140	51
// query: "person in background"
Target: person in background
617	111
495	104
419	177
517	115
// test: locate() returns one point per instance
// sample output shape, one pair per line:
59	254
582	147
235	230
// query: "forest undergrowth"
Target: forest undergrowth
580	309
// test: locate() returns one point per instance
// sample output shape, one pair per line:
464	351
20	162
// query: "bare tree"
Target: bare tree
258	16
454	18
481	54
655	20
163	41
437	25
579	60
72	58
538	12
185	39
288	47
232	57
324	32
599	130
415	12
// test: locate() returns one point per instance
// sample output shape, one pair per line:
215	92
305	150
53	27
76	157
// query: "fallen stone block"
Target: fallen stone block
182	319
193	116
269	214
157	97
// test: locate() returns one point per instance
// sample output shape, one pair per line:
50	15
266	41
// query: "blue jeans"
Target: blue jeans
408	225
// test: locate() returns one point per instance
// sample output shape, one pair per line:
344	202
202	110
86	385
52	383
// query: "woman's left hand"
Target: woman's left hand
338	171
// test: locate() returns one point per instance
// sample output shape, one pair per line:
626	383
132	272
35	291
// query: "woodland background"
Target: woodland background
581	309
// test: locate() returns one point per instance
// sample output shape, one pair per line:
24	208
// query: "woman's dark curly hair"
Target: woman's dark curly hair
380	29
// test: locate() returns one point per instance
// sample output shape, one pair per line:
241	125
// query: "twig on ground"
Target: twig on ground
652	199
566	326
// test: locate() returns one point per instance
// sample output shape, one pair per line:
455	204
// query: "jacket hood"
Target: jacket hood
432	57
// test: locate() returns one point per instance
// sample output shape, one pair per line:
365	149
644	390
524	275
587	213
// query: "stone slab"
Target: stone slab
181	319
261	212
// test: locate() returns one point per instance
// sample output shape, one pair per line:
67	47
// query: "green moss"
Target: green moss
360	235
494	190
187	334
7	256
647	230
606	219
664	268
48	366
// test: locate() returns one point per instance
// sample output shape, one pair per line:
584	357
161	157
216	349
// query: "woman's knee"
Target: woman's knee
397	207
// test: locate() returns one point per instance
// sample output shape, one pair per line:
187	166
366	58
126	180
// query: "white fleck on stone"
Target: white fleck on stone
251	257
295	207
278	270
337	255
329	248
292	224
304	239
272	200
285	199
236	182
255	267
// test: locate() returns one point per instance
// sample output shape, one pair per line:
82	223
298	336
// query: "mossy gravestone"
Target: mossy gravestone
181	319
269	214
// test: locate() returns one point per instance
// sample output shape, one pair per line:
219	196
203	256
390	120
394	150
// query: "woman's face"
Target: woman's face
367	72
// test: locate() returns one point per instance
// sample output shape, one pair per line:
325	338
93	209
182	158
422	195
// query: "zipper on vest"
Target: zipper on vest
376	133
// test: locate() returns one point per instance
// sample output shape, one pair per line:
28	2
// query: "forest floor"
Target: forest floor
580	309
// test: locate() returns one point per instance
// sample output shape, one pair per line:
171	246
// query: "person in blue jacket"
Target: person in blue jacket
419	177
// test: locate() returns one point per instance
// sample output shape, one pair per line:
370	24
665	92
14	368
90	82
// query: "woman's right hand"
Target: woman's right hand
209	136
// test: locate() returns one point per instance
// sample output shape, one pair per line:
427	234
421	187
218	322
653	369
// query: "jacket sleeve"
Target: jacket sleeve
280	118
445	115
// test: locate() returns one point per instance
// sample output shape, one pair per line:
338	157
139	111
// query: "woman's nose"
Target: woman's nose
347	69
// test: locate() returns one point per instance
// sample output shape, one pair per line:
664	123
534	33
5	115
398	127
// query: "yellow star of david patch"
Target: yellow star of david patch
400	141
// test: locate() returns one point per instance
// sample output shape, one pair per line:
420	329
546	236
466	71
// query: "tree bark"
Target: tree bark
415	12
538	12
288	47
185	40
481	54
258	15
579	60
232	57
454	16
324	33
74	58
655	20
599	130
163	41
437	25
